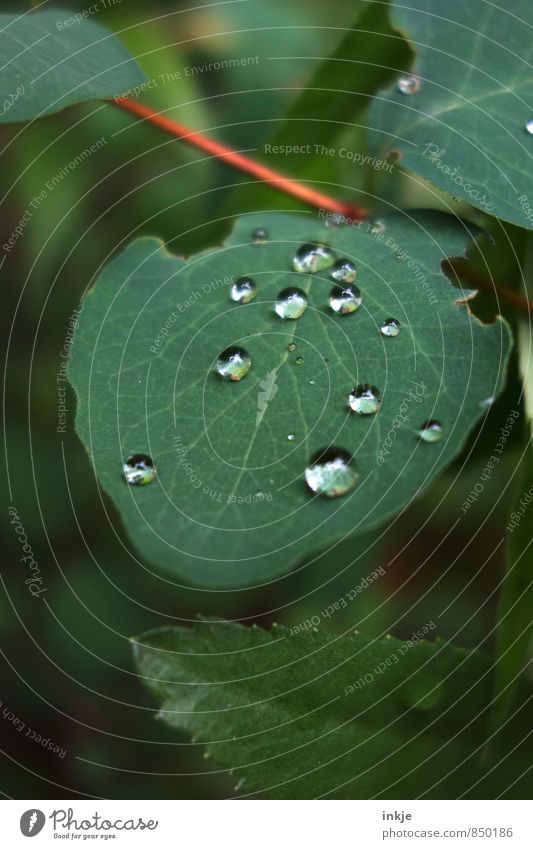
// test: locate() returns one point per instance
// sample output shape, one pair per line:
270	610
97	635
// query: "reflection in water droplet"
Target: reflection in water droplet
291	303
345	299
139	470
487	402
529	126
390	327
365	399
291	347
313	257
291	437
243	290
234	363
409	85
431	431
331	472
260	494
299	360
377	226
312	382
343	271
260	236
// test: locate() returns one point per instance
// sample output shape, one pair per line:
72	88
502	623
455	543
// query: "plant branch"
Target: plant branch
465	272
241	162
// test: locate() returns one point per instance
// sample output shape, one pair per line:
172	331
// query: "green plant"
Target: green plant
297	712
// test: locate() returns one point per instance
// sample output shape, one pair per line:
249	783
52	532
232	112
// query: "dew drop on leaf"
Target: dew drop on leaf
343	271
260	236
409	84
139	470
390	327
365	399
291	303
331	472
431	431
486	402
345	300
291	347
529	126
313	257
243	290
299	360
291	437
377	226
234	363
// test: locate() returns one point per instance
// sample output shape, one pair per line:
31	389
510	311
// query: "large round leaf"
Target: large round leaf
230	504
465	128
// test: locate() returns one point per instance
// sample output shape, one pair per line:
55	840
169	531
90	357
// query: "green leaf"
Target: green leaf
230	505
464	130
50	61
304	714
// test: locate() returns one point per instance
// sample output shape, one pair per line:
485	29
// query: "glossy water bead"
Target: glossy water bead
345	299
431	431
313	257
331	472
234	363
243	290
409	84
365	399
390	327
139	470
291	303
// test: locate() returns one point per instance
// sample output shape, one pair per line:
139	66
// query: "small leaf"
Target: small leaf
464	126
53	59
230	504
301	715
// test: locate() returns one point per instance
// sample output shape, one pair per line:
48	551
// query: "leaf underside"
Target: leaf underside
312	715
230	506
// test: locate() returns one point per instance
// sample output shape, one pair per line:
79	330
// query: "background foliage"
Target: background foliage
66	663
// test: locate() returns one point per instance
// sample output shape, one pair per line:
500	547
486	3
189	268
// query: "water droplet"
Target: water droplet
312	382
260	236
291	303
343	271
243	290
390	327
365	399
313	257
529	126
487	402
331	472
139	470
431	431
291	347
409	84
299	360
234	363
291	437
377	226
260	494
344	300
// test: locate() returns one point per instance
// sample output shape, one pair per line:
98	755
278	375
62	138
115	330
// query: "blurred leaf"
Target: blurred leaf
515	615
464	130
307	714
51	61
230	505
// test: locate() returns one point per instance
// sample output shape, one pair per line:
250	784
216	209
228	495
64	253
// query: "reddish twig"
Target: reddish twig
241	162
465	272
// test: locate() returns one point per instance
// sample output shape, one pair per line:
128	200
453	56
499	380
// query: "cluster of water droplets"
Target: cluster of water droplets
332	471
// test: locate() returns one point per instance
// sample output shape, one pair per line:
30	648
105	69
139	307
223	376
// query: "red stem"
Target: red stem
241	162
